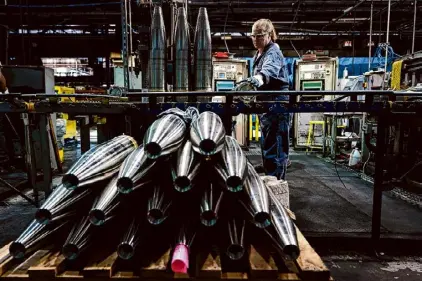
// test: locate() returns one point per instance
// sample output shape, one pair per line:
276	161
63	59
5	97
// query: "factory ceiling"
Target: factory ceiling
50	24
305	16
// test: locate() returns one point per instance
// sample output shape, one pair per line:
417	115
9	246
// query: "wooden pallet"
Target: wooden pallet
46	264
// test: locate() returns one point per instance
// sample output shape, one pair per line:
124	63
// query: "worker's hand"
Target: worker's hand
254	81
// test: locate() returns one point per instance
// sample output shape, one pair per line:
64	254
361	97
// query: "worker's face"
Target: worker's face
260	38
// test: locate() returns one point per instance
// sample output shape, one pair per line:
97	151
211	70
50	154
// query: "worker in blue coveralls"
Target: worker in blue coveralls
270	74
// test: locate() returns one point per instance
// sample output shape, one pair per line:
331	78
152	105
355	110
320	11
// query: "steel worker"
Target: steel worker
270	74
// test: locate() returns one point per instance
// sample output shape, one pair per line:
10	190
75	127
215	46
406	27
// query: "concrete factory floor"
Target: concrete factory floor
327	212
326	205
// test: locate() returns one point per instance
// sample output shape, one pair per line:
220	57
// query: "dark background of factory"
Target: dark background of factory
82	73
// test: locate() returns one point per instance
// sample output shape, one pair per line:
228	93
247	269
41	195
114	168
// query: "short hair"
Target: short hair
266	26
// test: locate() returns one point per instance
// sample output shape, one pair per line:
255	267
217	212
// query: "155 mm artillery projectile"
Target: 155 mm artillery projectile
257	202
133	172
187	168
203	53
127	247
181	52
207	134
210	205
233	168
34	235
164	136
78	240
105	204
180	258
59	202
99	160
157	207
236	248
285	238
157	52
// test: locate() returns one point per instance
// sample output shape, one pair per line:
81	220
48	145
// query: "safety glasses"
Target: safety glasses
258	36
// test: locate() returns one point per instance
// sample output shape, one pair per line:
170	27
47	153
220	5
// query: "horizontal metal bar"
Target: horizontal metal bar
234	109
260	93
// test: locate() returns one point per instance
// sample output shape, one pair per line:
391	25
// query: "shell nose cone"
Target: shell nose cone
97	217
43	216
262	219
125	185
70	251
182	184
70	181
153	150
17	250
207	146
235	251
125	251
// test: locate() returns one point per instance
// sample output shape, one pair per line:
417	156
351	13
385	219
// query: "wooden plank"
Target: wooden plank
234	275
21	271
49	266
156	267
102	268
209	266
262	265
309	263
6	261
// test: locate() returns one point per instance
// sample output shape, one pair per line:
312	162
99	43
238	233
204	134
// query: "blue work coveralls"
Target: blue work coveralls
274	127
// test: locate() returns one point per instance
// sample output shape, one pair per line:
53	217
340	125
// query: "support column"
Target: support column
45	151
378	178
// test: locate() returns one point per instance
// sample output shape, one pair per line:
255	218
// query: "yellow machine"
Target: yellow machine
70	124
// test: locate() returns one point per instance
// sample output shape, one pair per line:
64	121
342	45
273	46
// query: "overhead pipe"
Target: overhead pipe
387	40
345	12
370	36
413	38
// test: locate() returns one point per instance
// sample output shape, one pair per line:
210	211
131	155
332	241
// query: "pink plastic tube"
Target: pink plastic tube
180	260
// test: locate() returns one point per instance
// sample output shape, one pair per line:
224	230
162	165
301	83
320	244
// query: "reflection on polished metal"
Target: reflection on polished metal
105	204
210	206
78	240
236	248
157	52
203	53
59	201
181	55
284	236
157	207
258	201
187	168
164	136
233	168
99	160
207	134
127	247
133	171
31	236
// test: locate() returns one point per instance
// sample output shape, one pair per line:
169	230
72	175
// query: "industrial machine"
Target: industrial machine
227	72
313	75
